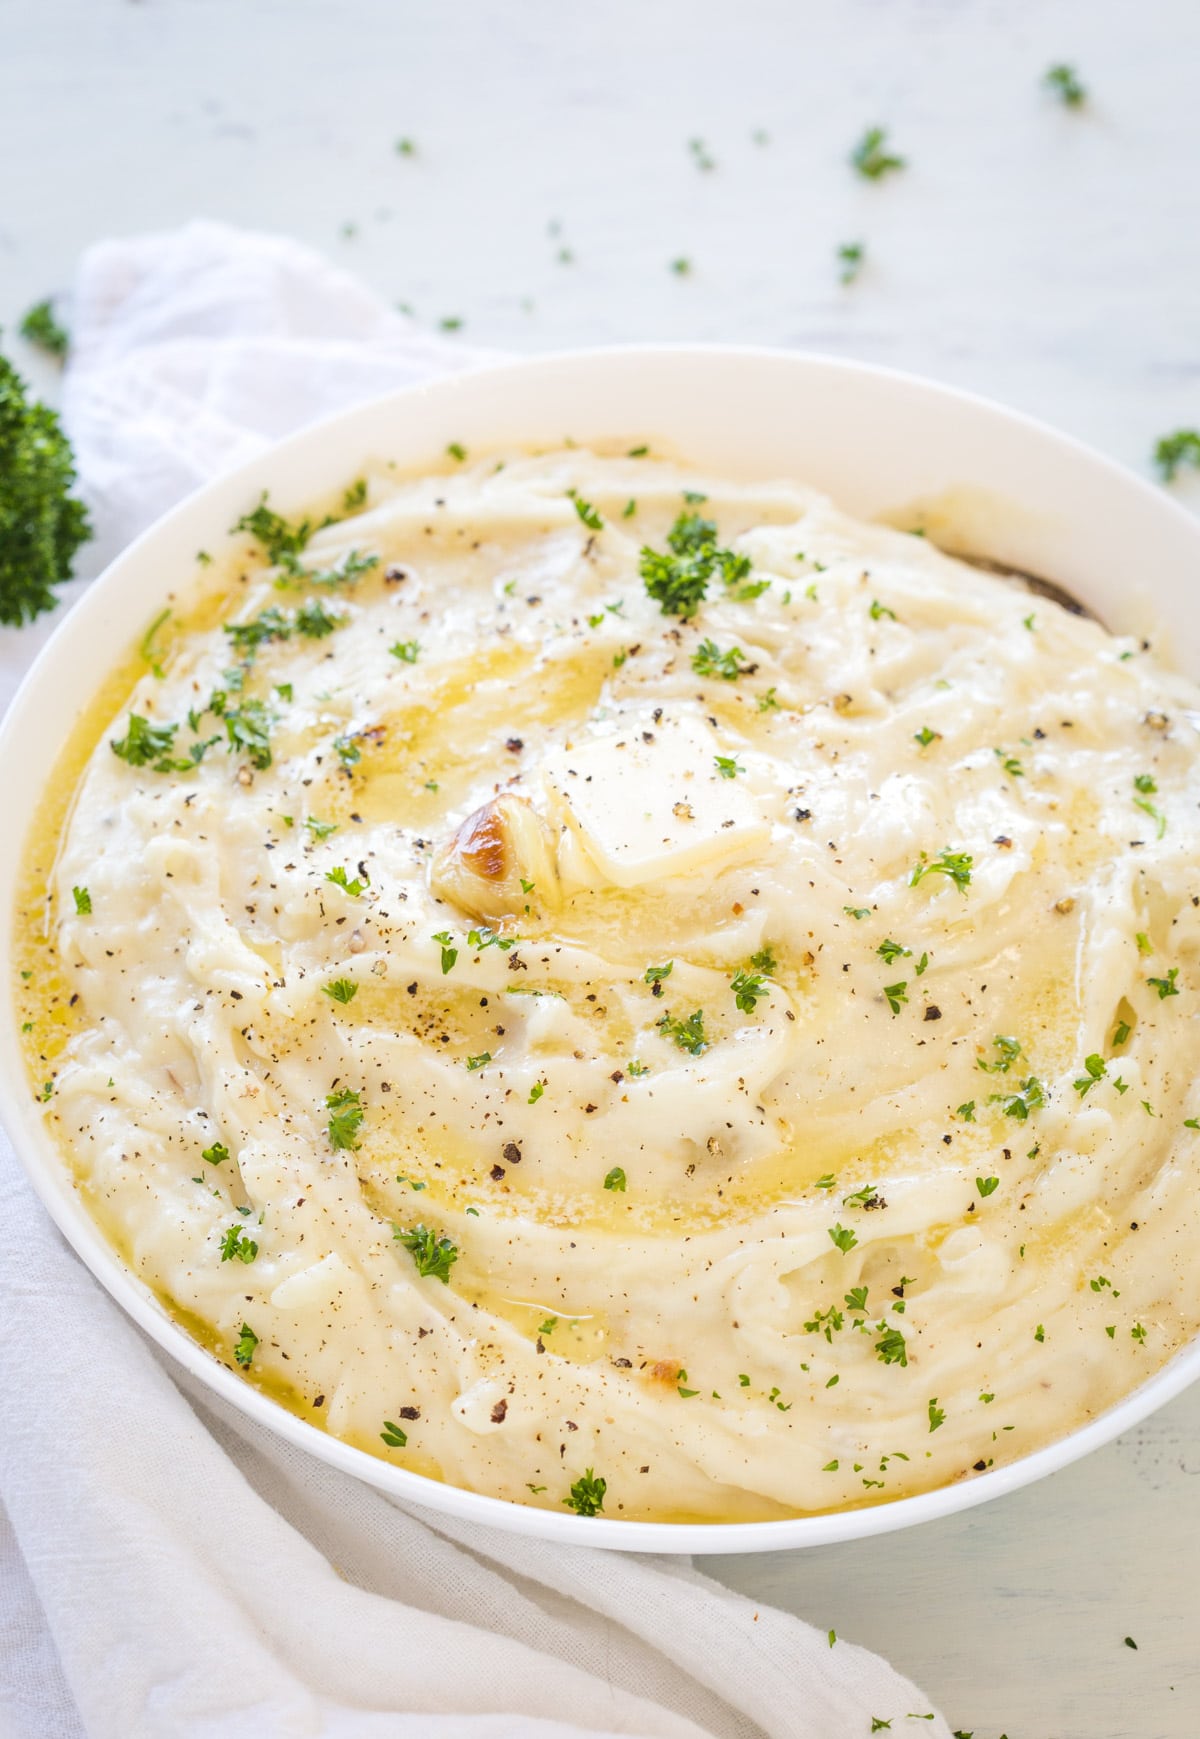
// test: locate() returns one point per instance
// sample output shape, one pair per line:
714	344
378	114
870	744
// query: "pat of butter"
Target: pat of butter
649	801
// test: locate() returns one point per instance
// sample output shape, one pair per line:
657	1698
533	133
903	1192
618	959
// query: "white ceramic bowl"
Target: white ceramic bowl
873	439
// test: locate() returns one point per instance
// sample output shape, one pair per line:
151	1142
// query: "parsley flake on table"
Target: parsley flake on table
586	1496
850	256
871	157
1063	80
433	1255
39	327
1173	451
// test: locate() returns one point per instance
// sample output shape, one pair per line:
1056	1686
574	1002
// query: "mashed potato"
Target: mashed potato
613	988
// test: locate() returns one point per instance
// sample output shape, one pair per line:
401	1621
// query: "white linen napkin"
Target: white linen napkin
167	1569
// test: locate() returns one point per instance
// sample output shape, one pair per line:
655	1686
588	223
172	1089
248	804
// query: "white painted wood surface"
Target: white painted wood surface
1045	256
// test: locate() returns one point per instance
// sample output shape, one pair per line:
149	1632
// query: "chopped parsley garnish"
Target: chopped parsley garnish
878	611
41	328
937	1415
615	1179
538	1088
217	1154
41	522
891	1347
966	1111
1166	986
320	829
1039	1333
146	745
1096	1069
83	902
889	951
767	702
338	876
709	660
727	766
748	988
986	1185
1172	451
1030	1097
407	651
870	156
347	750
1063	80
764	960
588	514
449	951
478	1062
243	1347
955	864
314	621
393	1435
587	1495
843	1238
656	974
281	541
1010	763
434	1256
345	1117
342	990
925	736
897	994
678	581
270	624
248	728
1008	1051
457	451
235	1246
688	1034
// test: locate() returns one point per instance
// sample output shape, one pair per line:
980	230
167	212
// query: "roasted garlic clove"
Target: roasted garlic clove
487	868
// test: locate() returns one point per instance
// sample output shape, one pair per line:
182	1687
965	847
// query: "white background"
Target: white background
1045	256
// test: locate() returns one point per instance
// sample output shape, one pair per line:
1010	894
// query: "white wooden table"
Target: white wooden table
1047	256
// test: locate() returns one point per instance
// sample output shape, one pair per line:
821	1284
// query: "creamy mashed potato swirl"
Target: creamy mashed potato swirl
706	1033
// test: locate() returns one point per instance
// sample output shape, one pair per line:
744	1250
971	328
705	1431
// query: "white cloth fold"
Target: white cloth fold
169	1570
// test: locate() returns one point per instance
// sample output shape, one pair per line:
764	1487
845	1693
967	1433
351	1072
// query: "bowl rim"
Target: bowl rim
37	1150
